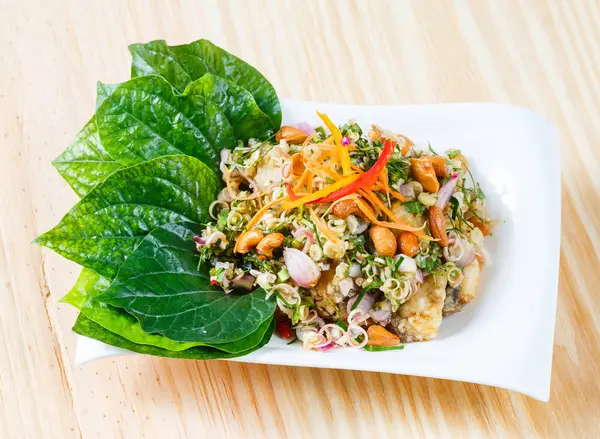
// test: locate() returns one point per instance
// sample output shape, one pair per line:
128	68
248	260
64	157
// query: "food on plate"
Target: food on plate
204	226
370	242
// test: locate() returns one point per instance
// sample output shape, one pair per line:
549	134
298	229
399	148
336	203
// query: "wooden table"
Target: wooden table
540	54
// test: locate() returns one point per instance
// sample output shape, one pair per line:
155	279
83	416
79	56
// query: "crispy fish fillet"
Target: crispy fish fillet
331	304
456	298
419	318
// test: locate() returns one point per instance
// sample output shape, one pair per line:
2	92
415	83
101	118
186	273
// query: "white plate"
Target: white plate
505	337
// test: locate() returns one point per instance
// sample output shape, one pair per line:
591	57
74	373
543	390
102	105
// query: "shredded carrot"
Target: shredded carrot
374	199
323	228
393	193
306	141
309	183
356	168
399	226
365	209
327	170
397	195
329	140
343	155
322	193
407	144
302	180
256	218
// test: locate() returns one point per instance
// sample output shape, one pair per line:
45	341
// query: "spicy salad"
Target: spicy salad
203	226
363	239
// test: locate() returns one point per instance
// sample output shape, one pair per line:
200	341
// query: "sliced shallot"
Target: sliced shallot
301	267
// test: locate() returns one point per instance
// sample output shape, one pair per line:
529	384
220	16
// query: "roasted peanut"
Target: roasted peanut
248	240
379	336
408	244
291	135
298	164
345	208
437	225
424	173
269	243
439	165
383	240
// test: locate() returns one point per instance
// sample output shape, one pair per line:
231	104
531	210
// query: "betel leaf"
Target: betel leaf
88	328
102	229
240	108
181	65
85	162
90	284
161	286
142	119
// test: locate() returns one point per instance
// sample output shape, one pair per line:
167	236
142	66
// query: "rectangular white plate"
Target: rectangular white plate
505	337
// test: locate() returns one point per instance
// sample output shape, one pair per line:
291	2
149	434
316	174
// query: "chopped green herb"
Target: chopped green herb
431	149
342	325
283	275
397	169
383	348
314	226
399	262
391	264
222	219
321	133
453	154
480	193
454	204
365	290
431	261
415	207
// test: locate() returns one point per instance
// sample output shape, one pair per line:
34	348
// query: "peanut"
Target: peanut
269	243
247	241
383	240
439	165
424	173
345	208
291	135
408	244
379	336
437	225
297	164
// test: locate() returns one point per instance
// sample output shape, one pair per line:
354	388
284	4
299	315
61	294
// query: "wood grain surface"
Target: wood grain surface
536	53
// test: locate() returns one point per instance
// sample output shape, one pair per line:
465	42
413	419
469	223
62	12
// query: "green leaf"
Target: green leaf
181	65
240	108
85	162
383	348
160	285
86	327
102	229
142	119
90	284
